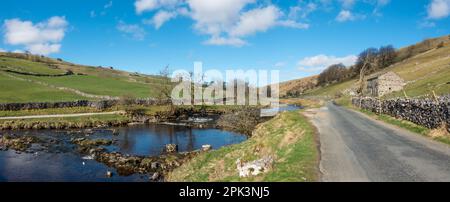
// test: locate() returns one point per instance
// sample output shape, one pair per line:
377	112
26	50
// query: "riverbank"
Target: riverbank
281	149
95	121
222	117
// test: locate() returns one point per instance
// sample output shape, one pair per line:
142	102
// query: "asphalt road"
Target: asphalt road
357	148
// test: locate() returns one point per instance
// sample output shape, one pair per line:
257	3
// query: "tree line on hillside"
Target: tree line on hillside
372	59
375	59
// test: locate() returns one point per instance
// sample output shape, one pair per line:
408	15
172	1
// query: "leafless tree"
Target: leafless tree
164	89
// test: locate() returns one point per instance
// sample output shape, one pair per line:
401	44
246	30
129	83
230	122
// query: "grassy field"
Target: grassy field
103	81
98	85
289	138
331	90
27	66
13	90
69	110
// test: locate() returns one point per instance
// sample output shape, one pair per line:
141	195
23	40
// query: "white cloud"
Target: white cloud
256	20
220	41
280	64
149	5
226	22
44	49
161	17
438	9
345	15
320	62
41	38
301	11
215	17
293	24
134	31
2	50
426	24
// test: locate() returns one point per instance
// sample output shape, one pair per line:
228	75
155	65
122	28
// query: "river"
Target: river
58	159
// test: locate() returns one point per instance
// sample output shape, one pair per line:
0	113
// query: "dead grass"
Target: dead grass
440	132
304	102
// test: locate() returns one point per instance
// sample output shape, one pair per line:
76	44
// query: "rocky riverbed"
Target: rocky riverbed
132	153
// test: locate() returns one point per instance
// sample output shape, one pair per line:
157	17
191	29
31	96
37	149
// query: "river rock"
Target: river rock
109	174
206	147
115	132
254	168
171	148
154	165
155	176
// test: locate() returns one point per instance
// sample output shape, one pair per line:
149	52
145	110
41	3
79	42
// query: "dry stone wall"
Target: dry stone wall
81	103
430	113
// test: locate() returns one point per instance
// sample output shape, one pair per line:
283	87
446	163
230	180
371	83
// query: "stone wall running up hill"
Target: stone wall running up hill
429	113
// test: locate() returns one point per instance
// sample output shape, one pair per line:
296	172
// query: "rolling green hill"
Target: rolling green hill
424	66
30	78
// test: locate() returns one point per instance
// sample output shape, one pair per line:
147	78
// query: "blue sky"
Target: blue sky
299	38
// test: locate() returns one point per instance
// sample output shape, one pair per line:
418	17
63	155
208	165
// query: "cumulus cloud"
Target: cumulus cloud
132	30
149	5
161	17
256	20
301	11
345	15
320	62
438	9
2	50
226	22
42	38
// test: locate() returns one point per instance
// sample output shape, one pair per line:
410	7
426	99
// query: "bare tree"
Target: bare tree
164	89
369	59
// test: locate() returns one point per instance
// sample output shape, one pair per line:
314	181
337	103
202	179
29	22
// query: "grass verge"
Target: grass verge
289	138
65	122
440	135
52	111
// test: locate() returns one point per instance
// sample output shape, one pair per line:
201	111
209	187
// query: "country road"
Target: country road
59	115
355	147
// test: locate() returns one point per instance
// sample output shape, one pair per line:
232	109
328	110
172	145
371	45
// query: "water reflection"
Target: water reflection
63	163
149	140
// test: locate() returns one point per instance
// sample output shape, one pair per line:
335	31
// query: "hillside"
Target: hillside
424	66
31	78
298	86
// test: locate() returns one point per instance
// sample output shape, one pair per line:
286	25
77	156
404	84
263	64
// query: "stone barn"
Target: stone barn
383	83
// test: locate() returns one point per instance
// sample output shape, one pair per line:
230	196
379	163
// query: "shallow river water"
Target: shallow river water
61	161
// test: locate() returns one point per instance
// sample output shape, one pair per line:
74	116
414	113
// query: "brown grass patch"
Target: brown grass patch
439	132
290	138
